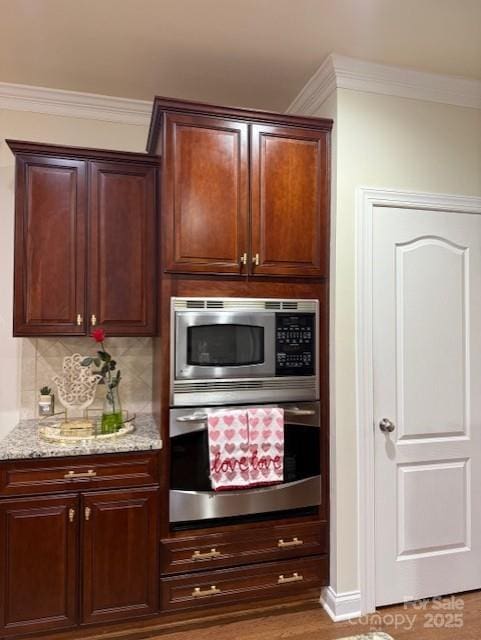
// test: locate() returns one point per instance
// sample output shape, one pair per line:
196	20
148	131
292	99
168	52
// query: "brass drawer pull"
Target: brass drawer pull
294	578
255	260
295	542
208	555
243	259
82	474
93	320
71	515
211	591
88	511
79	320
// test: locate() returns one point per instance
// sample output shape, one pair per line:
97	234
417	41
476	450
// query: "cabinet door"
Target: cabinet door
50	231
120	554
39	568
122	232
290	201
205	195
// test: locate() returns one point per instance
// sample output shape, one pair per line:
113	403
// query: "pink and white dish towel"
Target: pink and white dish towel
228	450
246	448
266	445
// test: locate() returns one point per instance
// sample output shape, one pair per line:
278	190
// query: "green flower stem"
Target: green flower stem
110	395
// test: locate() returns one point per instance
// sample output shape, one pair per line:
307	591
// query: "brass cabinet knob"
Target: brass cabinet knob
243	258
88	511
255	260
93	320
71	515
79	320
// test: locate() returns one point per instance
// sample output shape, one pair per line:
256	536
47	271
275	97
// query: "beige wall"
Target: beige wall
41	128
389	143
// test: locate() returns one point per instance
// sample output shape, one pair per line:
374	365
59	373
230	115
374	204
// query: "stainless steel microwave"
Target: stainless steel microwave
230	350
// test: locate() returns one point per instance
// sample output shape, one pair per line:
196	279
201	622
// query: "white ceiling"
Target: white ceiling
256	53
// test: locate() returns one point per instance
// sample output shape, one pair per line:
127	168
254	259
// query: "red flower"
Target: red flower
98	335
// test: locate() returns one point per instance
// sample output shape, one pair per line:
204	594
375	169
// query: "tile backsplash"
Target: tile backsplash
42	359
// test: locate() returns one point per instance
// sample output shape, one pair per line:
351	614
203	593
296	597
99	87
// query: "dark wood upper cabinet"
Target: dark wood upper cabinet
39	576
120	554
121	283
289	206
243	192
85	241
50	236
205	195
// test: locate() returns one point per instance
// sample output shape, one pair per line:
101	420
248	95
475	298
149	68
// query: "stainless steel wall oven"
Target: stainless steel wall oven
191	496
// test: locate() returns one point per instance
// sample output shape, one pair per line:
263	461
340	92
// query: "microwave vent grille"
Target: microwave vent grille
236	385
245	304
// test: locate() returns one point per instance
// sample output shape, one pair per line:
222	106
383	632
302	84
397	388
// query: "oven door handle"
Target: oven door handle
194	417
202	417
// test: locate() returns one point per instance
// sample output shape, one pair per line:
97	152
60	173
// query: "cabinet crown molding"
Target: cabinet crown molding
75	104
342	72
164	105
24	147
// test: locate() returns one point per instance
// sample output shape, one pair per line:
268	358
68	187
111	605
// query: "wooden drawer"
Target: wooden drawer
242	546
251	582
78	473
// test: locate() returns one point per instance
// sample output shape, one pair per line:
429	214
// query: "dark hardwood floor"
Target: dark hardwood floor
458	619
429	622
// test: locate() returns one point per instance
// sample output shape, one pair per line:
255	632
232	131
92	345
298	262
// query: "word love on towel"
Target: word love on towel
246	448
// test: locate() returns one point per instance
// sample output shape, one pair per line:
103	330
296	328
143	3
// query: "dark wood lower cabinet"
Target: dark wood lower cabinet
39	568
80	546
187	553
88	552
251	582
119	553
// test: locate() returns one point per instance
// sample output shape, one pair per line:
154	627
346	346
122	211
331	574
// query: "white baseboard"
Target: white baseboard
341	606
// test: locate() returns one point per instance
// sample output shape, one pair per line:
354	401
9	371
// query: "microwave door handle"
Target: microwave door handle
195	417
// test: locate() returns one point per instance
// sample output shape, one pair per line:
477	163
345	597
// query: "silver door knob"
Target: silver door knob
386	425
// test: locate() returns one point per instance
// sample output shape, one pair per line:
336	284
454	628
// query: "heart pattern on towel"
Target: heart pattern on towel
246	448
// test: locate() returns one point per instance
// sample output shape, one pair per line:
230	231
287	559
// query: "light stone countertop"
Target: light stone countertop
23	441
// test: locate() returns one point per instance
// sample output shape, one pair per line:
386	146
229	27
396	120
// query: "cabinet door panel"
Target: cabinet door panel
38	581
122	269
50	246
205	197
290	201
120	554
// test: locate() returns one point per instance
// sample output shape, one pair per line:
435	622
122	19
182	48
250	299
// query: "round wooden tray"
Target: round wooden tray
53	433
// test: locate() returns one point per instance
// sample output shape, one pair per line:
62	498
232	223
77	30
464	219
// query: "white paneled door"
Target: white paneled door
427	402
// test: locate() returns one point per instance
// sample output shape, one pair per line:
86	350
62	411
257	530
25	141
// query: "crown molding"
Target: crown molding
74	104
341	72
316	91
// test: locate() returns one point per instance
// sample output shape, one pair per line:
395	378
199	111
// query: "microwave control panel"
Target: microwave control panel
295	344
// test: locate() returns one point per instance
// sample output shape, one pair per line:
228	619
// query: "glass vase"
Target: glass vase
112	412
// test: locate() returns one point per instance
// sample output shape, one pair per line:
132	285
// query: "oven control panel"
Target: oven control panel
295	344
